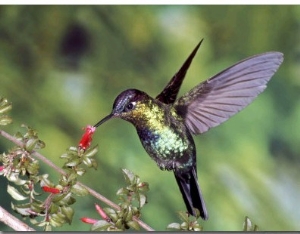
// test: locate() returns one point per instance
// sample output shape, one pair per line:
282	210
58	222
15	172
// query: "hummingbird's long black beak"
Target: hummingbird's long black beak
103	120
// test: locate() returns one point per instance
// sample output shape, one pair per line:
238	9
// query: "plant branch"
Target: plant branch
61	171
12	221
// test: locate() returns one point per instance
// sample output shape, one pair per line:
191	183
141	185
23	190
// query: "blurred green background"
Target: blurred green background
62	67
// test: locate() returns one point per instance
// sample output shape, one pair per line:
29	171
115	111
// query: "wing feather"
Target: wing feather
217	99
169	94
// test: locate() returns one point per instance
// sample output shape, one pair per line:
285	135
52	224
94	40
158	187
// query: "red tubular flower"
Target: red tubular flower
86	139
101	212
88	220
51	190
1	168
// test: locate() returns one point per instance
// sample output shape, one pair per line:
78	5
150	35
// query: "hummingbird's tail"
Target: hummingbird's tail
191	192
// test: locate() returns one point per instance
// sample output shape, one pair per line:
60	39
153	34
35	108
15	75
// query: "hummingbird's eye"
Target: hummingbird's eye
130	106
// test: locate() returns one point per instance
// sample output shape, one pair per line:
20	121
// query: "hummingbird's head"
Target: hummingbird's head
129	105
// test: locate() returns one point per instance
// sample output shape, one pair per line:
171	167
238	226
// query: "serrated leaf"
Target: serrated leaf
123	191
56	220
111	213
19	136
133	224
248	226
79	190
39	145
4	105
183	216
174	226
72	163
30	144
129	176
66	156
128	214
59	197
94	163
80	171
101	225
48	228
42	224
87	161
143	187
184	226
72	177
37	207
68	212
15	193
197	227
142	200
67	200
91	151
33	168
4	120
22	209
14	177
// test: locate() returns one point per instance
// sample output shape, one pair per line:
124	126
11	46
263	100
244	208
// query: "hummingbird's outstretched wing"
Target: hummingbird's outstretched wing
169	94
217	99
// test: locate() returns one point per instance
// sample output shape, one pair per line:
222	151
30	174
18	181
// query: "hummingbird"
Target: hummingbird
165	125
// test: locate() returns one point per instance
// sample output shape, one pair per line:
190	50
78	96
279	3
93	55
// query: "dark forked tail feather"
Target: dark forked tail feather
191	192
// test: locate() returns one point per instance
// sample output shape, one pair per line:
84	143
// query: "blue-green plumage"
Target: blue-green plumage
165	125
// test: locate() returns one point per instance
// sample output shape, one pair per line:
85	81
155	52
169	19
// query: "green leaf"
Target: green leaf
66	156
80	171
184	226
37	207
142	200
57	220
183	216
66	199
143	187
33	167
91	151
79	190
197	227
4	105
48	228
128	214
111	213
94	163
248	226
15	193
133	224
68	212
72	177
129	176
87	161
72	163
30	144
40	145
101	225
123	191
22	209
4	120
174	226
14	177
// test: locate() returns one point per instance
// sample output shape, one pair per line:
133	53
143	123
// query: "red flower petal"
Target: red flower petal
101	212
88	220
51	190
86	139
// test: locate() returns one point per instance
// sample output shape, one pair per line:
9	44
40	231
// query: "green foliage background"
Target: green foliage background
62	67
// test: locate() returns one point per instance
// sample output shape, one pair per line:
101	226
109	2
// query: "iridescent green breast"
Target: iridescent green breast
165	137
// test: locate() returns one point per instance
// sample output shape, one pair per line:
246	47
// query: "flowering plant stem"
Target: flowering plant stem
61	171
